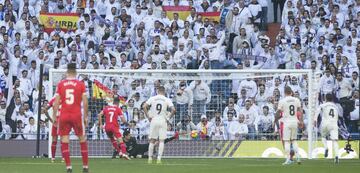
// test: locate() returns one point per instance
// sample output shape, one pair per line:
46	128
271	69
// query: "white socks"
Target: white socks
325	143
336	148
287	149
161	149
296	150
151	150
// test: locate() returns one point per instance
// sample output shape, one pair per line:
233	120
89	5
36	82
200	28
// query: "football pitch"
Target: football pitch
29	165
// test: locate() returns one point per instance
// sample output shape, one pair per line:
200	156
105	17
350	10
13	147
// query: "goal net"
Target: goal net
220	113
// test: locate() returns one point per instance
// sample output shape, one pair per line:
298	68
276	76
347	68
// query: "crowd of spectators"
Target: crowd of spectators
322	35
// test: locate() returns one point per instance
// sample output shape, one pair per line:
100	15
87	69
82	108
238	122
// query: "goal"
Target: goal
200	96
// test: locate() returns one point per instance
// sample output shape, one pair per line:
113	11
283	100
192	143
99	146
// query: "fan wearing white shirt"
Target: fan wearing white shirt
264	122
329	124
355	80
178	20
354	115
250	116
346	67
289	107
201	95
344	91
255	10
262	96
327	83
343	86
30	129
25	83
250	87
143	125
217	130
235	109
238	129
137	16
156	108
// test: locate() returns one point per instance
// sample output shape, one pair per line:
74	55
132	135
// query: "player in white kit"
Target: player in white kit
329	118
290	106
157	110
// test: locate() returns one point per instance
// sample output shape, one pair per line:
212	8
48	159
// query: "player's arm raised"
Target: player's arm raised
85	107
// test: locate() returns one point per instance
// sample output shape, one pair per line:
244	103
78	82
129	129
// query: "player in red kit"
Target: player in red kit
70	94
112	113
54	130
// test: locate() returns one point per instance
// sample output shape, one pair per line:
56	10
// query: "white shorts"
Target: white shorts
290	131
158	128
330	128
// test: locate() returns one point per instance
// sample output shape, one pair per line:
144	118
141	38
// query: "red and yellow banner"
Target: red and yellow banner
212	16
183	11
65	20
100	91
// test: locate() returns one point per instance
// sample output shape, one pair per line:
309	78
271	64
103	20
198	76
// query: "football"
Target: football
194	134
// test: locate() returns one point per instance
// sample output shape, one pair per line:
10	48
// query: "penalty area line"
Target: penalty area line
29	163
179	164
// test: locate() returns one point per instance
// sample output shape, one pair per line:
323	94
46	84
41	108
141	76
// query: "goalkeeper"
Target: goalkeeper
138	150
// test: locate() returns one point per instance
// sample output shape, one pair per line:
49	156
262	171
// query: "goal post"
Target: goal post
203	141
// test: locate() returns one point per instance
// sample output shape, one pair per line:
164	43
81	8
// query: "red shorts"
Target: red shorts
112	131
66	123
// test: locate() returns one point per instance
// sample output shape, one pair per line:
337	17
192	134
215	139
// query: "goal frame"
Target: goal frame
311	88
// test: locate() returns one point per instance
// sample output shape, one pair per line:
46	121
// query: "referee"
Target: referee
138	150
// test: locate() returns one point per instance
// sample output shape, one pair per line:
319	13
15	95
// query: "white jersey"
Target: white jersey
329	113
289	106
159	106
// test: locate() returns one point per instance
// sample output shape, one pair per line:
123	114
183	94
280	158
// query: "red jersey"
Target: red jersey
111	114
70	92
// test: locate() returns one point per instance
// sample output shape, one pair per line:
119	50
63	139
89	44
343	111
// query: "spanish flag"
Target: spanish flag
100	91
66	21
212	16
183	11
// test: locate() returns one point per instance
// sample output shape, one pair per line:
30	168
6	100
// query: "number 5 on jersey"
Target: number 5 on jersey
69	95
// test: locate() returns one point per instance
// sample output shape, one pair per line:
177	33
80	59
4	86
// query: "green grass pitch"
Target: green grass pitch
29	165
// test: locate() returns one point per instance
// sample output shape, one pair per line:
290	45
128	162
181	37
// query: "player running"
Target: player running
112	113
156	109
288	106
329	118
54	130
70	93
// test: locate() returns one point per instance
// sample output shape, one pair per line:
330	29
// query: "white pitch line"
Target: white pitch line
181	164
164	164
28	163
